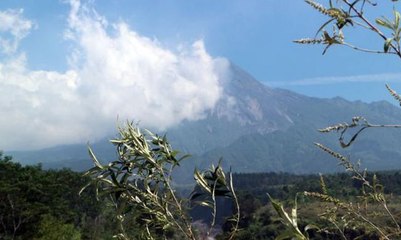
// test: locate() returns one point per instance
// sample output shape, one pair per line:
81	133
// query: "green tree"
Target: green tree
51	228
27	193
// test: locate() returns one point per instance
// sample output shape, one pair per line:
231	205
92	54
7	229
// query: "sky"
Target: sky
70	69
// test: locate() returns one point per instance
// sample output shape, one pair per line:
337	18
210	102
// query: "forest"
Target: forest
46	204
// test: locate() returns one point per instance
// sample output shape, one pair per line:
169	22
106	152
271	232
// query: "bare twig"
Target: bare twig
365	49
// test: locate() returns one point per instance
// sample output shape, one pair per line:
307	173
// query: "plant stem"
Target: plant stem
237	216
189	233
365	50
371	26
391	215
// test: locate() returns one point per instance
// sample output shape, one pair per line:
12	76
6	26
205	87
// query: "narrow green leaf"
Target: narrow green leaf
85	187
123	180
294	217
280	210
396	19
206	204
310	227
384	23
397	35
94	159
114	179
195	195
387	44
201	181
91	171
322	27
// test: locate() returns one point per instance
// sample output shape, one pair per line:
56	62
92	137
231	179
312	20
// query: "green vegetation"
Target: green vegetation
136	193
260	220
369	211
51	228
39	204
344	14
46	205
140	186
49	199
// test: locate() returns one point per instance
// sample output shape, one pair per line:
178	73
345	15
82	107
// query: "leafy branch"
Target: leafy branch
347	13
342	14
213	183
359	123
371	190
139	184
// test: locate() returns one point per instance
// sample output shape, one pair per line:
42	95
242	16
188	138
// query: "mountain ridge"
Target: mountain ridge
257	128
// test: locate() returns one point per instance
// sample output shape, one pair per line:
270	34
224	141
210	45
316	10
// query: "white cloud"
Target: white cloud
382	77
114	72
13	28
38	108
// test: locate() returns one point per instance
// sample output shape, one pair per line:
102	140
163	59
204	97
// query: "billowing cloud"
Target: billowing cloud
114	72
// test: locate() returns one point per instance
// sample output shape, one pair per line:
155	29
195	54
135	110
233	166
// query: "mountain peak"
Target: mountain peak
256	128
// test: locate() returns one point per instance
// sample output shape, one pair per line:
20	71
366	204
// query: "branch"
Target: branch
371	26
343	127
237	215
366	50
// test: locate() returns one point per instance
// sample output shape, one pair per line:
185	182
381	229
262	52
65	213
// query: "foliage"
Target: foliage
259	219
344	214
352	13
290	221
51	228
353	214
213	184
29	193
139	184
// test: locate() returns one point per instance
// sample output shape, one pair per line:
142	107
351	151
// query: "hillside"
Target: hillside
256	128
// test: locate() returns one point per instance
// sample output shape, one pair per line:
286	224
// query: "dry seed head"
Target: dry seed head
322	197
329	199
308	41
356	119
343	160
323	185
336	13
337	127
332	12
331	152
318	7
394	94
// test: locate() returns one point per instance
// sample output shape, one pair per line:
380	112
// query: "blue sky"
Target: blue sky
256	35
63	51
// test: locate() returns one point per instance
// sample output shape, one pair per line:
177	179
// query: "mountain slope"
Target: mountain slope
247	107
256	128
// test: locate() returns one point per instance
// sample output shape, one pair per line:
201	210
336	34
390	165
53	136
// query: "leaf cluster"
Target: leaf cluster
344	14
139	184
